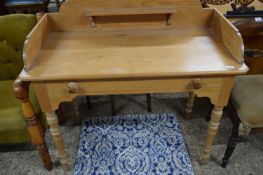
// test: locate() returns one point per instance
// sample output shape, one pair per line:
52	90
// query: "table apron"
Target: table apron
51	93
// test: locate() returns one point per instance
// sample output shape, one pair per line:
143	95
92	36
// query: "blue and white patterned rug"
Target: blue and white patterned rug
132	144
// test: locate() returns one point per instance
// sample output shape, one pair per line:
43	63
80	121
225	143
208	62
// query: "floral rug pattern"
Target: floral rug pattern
132	145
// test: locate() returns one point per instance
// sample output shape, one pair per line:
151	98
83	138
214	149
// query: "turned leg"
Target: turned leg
58	139
77	119
189	105
113	110
211	133
34	127
88	102
149	102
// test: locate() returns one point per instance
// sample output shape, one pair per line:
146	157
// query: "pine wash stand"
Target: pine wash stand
101	47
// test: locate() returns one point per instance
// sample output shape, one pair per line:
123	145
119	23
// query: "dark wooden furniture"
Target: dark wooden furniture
113	103
245	110
58	3
3	10
251	32
27	6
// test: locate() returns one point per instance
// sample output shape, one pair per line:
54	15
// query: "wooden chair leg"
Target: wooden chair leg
35	129
88	102
44	154
234	139
60	114
149	102
77	118
113	110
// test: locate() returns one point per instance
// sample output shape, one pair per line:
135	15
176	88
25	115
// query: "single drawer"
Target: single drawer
74	88
59	91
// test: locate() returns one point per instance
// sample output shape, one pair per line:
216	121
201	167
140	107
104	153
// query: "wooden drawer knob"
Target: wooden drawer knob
196	83
73	87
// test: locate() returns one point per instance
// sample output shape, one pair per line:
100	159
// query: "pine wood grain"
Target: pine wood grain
130	54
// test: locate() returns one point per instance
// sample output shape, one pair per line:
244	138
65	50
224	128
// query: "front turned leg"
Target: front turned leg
34	127
58	139
211	133
189	105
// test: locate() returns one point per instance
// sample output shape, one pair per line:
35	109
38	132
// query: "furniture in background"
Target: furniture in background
141	53
14	128
243	5
245	109
27	6
251	31
113	103
58	3
77	118
3	10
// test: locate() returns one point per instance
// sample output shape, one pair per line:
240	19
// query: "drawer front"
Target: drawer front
51	94
65	91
